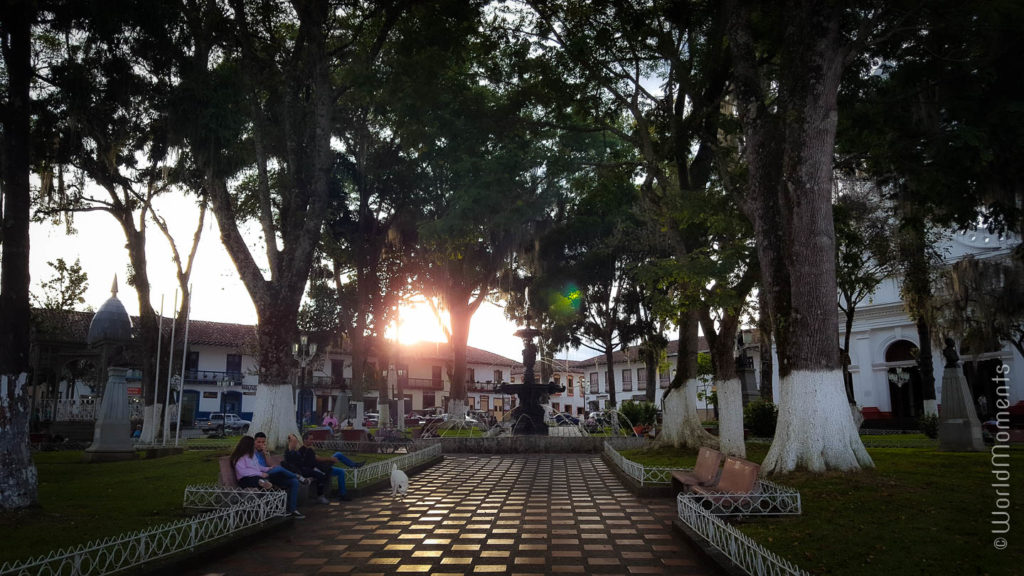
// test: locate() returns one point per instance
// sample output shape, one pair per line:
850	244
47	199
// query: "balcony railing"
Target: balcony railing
213	377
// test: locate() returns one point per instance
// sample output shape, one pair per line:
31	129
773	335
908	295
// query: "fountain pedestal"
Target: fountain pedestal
528	415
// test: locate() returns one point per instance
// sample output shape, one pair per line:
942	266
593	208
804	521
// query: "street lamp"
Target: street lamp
899	377
303	351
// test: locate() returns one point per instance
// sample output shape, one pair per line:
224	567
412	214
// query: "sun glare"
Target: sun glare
417	323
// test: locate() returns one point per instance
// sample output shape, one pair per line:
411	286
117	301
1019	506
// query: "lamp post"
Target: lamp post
303	351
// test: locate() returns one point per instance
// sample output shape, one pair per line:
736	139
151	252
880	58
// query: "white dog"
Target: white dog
399	481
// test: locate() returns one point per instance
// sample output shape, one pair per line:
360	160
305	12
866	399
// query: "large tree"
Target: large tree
255	107
18	479
787	69
664	66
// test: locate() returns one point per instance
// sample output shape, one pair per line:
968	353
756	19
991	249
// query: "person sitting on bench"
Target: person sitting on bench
251	474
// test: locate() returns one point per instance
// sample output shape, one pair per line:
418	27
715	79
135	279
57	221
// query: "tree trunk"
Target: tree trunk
18	480
681	424
727	383
609	362
851	309
461	314
791	212
275	413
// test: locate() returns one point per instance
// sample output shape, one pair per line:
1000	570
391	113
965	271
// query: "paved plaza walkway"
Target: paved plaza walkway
506	514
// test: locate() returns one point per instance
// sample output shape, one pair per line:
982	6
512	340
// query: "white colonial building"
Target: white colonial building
886	381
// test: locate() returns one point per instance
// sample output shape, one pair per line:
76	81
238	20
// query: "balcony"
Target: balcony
490	387
420	384
211	377
324	383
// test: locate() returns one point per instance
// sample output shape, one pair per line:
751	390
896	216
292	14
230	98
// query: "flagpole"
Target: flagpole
159	339
170	371
184	357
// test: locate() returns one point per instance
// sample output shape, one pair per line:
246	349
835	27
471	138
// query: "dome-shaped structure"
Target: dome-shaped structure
111	324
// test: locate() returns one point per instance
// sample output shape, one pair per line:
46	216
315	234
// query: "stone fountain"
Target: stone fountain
528	415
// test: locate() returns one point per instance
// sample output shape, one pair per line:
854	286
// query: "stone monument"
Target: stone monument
111	331
959	429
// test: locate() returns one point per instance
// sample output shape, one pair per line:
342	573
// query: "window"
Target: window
192	362
554	406
627	380
485	402
435	377
471	402
641	378
470	375
594	383
234	364
428	399
497	377
569	385
338	372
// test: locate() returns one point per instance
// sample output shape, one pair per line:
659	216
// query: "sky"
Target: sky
218	292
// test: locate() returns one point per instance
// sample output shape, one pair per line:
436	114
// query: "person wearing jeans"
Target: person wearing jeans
250	473
279	476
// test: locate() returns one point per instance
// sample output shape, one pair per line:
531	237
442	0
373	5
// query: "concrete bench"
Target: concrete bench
738	478
704	473
227	476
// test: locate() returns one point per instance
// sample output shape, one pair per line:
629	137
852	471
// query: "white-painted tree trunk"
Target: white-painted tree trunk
151	420
680	423
456	409
730	417
18	478
857	415
274	414
931	407
816	430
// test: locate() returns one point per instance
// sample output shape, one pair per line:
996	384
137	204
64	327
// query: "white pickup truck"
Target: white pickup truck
219	424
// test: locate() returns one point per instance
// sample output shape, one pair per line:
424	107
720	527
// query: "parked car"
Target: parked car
220	424
371	419
564	418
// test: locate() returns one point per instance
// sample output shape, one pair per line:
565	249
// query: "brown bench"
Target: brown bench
227	472
704	473
738	477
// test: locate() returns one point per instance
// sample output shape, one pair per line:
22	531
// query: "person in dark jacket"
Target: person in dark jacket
320	470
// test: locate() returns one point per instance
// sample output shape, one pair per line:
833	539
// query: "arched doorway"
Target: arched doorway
906	395
231	402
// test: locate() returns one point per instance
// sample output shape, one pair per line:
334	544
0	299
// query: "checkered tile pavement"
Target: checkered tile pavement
507	514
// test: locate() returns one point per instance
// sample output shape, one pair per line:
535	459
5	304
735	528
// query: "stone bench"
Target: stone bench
227	476
704	473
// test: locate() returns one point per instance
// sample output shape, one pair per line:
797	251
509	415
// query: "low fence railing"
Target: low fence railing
644	475
419	453
750	556
85	409
134	549
767	499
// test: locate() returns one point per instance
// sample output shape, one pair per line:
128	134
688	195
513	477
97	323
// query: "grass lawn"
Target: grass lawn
920	511
81	502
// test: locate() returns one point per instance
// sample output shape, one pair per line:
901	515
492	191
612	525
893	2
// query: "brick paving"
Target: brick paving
507	514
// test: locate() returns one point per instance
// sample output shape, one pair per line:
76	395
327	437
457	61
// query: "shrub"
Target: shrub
637	413
929	425
760	417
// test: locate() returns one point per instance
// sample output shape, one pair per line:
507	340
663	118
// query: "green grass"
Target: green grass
80	502
920	511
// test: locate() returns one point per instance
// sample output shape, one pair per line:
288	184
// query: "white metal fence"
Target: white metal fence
382	469
644	475
118	553
753	558
768	498
85	409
